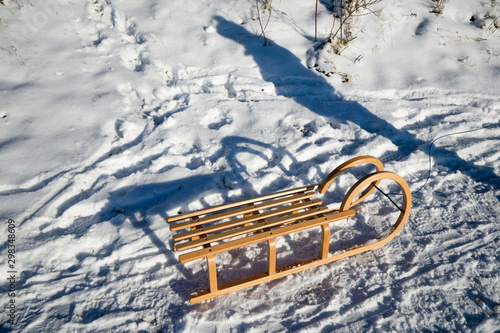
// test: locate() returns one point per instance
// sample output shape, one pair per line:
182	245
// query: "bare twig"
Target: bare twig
16	52
341	19
494	24
316	22
267	6
347	10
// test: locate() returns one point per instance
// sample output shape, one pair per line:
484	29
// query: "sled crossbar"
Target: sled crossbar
204	233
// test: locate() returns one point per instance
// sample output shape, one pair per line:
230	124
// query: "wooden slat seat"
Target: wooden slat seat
207	232
244	220
247	209
288	219
241	203
284	208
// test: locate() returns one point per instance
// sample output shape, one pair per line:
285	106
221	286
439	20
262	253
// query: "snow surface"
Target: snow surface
116	114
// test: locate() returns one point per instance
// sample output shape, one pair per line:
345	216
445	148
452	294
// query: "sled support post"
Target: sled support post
234	226
325	241
212	273
271	256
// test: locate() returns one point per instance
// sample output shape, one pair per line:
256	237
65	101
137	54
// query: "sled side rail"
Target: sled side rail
272	272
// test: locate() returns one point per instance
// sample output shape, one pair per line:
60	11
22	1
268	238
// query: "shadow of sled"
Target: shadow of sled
131	204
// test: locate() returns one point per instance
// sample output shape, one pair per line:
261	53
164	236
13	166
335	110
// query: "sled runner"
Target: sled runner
207	232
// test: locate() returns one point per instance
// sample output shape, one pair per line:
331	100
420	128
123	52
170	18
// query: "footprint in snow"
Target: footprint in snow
215	119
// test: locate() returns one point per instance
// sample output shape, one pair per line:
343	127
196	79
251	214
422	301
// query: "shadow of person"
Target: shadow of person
293	80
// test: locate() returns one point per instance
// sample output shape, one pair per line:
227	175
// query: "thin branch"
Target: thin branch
16	52
316	22
263	28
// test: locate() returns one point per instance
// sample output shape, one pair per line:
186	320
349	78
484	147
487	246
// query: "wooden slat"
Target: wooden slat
183	258
244	220
242	211
255	227
241	203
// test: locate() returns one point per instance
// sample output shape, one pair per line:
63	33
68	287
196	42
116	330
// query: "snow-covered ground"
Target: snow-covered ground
115	114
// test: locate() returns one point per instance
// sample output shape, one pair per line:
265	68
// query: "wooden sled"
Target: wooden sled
264	218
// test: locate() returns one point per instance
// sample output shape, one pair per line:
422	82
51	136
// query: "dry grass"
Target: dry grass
16	53
346	11
437	6
264	7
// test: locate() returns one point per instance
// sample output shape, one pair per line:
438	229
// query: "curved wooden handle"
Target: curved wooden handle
377	177
347	165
